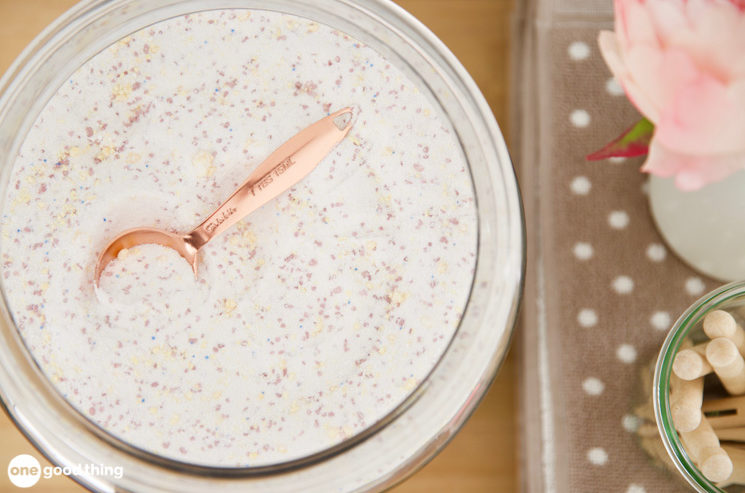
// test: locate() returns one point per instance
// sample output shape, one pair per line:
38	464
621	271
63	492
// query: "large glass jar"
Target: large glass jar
390	449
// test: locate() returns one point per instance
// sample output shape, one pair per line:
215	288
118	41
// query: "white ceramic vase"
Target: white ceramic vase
705	228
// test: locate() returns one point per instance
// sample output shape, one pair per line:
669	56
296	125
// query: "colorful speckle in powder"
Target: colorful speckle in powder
313	317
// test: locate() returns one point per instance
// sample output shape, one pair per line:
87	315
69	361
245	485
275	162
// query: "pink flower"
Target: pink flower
682	64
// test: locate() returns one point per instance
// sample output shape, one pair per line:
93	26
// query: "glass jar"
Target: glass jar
730	297
417	429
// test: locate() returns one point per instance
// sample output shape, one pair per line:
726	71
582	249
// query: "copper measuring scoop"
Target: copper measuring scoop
286	166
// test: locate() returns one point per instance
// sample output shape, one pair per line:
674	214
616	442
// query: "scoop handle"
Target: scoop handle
284	167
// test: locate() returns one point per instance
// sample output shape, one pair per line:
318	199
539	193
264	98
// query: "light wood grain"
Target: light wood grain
478	33
482	457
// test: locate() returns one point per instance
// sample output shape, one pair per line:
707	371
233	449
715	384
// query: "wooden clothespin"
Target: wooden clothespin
727	412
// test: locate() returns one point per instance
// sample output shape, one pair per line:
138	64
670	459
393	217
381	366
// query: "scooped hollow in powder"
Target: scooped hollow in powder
150	274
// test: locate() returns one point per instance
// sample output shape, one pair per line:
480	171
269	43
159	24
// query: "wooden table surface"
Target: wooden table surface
482	457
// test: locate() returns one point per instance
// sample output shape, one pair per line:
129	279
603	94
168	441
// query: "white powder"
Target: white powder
312	318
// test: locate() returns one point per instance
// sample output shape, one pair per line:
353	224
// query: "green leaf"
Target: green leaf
633	142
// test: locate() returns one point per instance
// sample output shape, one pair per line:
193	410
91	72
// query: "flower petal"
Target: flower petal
704	117
669	19
691	171
609	48
714	36
643	62
608	43
634	24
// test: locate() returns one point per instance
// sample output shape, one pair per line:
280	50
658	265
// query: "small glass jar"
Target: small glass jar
730	297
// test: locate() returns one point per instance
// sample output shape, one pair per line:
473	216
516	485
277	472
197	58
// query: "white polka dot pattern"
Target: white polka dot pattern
593	386
613	87
618	219
626	353
597	456
695	286
587	318
580	118
612	286
623	285
582	251
630	423
656	252
579	50
660	320
580	185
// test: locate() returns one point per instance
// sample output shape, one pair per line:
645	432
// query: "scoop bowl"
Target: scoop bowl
142	236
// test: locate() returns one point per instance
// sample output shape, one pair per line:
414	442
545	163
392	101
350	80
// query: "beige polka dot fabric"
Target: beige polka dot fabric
602	287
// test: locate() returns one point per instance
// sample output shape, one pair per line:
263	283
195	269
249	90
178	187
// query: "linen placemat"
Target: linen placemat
602	288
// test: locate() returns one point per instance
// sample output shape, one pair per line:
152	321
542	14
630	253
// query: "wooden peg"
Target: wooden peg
727	412
720	323
728	364
737	456
717	466
702	445
730	434
690	364
686	397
